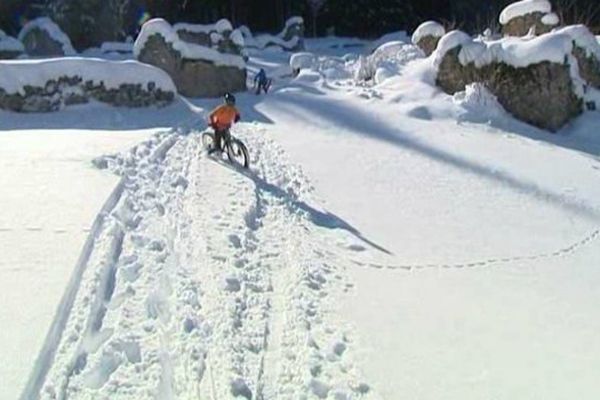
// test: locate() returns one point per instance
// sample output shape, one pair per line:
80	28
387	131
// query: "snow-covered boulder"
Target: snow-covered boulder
534	79
427	35
528	16
219	36
9	47
50	84
198	71
43	38
291	38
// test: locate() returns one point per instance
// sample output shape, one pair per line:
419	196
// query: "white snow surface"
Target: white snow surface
53	30
384	235
8	43
524	7
16	74
428	28
302	60
583	38
123	47
188	50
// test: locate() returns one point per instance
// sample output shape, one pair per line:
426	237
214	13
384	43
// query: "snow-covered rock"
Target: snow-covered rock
524	7
522	17
291	38
386	61
529	76
48	85
43	38
198	71
427	36
9	46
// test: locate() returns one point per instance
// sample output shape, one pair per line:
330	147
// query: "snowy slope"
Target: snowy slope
388	242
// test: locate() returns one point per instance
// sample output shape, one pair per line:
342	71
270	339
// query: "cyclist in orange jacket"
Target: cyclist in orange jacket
222	118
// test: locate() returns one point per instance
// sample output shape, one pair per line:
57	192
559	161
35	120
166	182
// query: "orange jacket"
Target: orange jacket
224	116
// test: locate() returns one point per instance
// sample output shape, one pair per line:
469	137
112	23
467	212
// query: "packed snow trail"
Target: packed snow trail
204	281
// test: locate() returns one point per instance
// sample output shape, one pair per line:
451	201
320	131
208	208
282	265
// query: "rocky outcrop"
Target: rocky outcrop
43	38
536	23
197	71
68	90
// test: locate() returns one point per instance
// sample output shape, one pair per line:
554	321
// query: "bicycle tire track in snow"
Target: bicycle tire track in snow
206	282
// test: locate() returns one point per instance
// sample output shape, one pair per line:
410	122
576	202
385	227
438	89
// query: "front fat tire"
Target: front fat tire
238	153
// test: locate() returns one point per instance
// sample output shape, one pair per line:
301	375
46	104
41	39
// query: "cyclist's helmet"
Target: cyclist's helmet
229	99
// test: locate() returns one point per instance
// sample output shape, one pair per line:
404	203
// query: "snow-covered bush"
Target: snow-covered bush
42	37
523	17
9	46
427	36
48	85
198	71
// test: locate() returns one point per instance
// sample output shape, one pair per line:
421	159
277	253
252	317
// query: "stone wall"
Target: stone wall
68	90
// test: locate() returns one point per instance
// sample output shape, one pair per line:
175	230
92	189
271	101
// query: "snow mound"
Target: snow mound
221	26
550	19
399	36
524	7
429	28
16	75
159	26
302	60
53	30
478	103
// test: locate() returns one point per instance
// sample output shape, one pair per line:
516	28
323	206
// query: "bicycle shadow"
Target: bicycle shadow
322	219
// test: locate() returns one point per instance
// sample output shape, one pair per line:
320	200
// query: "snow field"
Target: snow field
205	293
50	197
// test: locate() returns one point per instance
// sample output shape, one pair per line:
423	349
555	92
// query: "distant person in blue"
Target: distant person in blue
261	82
